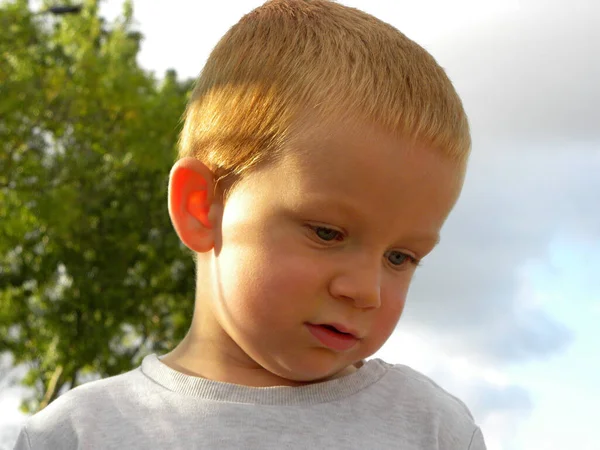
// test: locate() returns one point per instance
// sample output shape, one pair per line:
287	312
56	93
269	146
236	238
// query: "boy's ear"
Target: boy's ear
192	204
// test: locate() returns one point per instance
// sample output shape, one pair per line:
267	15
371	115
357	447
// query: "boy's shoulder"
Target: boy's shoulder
80	407
432	411
87	397
418	387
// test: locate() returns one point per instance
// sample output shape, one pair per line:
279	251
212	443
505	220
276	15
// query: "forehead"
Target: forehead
370	170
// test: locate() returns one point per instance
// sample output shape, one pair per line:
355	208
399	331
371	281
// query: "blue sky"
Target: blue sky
503	314
564	388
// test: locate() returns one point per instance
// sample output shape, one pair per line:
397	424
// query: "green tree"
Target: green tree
92	276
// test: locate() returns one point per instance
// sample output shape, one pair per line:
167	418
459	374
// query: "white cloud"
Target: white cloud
11	419
532	75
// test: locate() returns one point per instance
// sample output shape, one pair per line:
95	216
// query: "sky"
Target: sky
503	312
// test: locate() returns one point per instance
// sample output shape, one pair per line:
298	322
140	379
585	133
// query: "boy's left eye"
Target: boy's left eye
326	234
399	258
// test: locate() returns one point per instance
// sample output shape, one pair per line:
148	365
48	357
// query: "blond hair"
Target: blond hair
315	58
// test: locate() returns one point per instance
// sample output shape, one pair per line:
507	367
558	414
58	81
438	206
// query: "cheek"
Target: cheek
269	283
388	315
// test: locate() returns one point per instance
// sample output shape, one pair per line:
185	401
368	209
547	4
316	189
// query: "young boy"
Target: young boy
322	152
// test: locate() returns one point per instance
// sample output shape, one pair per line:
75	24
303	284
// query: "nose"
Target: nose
360	282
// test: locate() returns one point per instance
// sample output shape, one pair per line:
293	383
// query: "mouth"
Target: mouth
337	329
342	329
333	336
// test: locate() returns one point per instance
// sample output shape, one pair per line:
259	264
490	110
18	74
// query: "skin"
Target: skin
328	233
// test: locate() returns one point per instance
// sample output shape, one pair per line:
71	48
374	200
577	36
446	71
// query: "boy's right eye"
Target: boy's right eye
326	234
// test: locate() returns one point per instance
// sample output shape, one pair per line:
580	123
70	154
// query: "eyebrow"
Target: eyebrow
343	206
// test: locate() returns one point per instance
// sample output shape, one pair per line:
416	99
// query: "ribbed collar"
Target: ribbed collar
326	391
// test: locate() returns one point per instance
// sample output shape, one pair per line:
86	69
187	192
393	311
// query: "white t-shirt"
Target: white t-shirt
380	406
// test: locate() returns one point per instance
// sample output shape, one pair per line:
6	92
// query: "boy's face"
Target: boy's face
327	235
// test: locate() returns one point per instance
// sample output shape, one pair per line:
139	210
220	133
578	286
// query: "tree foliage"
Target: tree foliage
92	275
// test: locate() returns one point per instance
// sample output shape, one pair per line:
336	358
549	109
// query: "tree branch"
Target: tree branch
52	388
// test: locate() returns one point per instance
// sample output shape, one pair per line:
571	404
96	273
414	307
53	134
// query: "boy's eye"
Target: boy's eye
399	258
326	234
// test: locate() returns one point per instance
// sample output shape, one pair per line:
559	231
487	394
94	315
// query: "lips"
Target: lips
340	329
332	336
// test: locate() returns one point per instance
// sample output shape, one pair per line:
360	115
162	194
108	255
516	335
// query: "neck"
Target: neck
205	358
